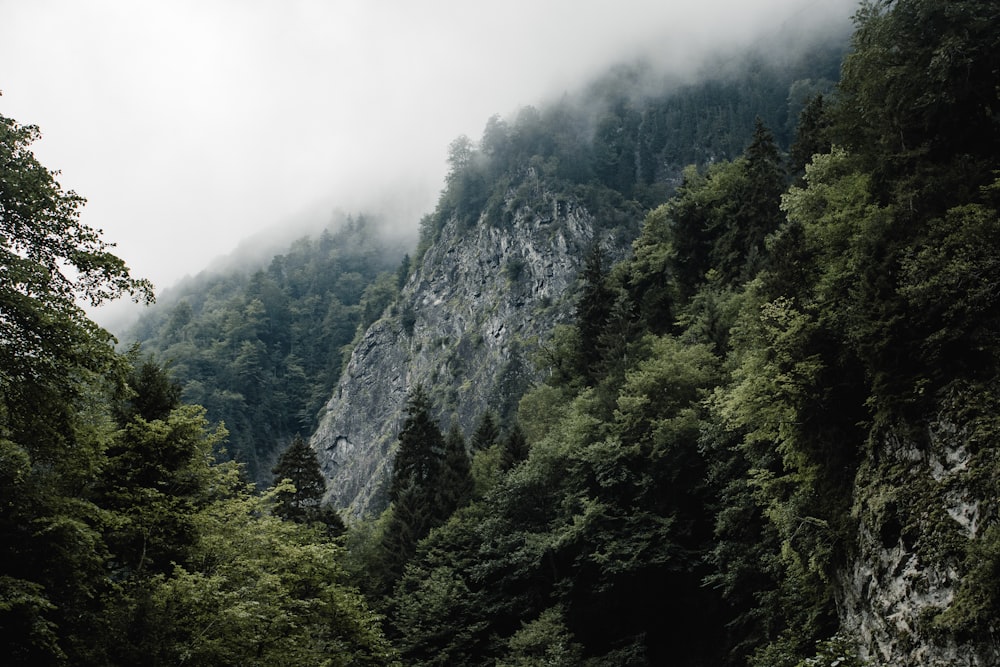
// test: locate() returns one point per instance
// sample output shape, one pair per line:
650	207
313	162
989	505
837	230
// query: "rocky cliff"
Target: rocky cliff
908	597
466	326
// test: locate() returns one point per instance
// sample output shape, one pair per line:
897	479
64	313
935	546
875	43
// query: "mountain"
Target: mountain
768	435
259	343
499	262
745	415
467	326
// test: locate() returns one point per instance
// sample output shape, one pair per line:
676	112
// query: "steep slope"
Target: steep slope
499	258
466	326
261	348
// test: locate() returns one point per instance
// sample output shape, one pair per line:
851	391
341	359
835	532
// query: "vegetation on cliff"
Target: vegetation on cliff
800	350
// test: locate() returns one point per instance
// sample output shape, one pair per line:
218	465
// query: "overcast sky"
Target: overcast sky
190	125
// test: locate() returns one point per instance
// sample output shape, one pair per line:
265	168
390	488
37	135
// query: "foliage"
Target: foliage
121	540
50	259
262	350
55	365
741	368
301	487
616	147
721	421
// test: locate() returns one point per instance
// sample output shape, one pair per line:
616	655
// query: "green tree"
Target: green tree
812	135
738	247
54	422
593	310
421	447
414	490
302	500
151	393
919	100
258	591
455	483
487	432
515	448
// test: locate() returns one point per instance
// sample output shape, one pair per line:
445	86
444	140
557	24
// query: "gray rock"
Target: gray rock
476	309
892	590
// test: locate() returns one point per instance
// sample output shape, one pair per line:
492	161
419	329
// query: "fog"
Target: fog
190	125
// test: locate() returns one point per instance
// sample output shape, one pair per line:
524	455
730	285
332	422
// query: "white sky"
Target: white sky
190	125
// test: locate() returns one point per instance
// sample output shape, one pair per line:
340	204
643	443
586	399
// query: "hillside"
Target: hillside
766	436
261	349
499	260
611	410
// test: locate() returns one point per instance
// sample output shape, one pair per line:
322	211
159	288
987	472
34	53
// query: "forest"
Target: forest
735	415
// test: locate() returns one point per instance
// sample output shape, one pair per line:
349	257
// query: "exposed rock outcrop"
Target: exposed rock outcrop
918	511
466	326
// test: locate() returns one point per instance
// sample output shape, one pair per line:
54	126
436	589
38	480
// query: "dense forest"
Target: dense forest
796	329
262	350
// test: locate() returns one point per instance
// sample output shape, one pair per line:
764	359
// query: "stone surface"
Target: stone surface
896	583
478	305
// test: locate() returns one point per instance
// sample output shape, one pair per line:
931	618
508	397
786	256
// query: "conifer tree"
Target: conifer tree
298	463
812	135
455	482
592	313
413	490
421	447
515	448
738	252
151	394
487	432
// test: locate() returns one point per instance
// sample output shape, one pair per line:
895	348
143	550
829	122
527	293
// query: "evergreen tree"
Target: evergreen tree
812	135
592	312
515	448
151	394
299	465
403	272
414	489
421	447
54	421
687	227
487	432
738	251
455	481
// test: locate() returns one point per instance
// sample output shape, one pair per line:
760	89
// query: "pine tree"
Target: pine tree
413	490
487	432
515	448
151	394
421	447
812	135
592	313
298	463
455	485
738	252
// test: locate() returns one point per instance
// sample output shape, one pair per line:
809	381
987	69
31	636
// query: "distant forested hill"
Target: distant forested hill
625	138
764	433
770	435
262	350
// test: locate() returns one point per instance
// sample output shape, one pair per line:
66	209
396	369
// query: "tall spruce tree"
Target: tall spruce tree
487	433
413	490
455	484
515	448
738	252
592	313
298	464
421	447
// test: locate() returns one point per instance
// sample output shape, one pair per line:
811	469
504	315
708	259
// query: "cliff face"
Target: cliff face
920	505
466	326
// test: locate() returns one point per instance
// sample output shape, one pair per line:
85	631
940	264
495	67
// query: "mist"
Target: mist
190	126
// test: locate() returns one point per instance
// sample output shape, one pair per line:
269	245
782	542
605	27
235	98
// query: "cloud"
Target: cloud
192	124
